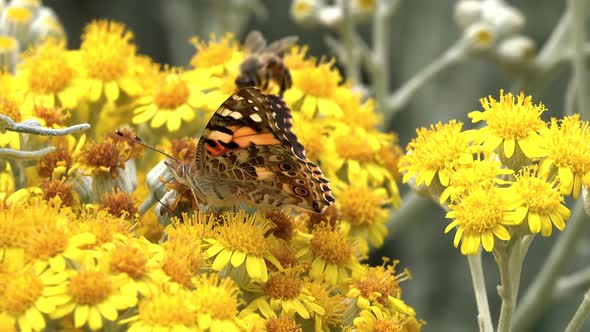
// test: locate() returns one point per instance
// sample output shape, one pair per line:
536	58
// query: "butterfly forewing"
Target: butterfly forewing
249	153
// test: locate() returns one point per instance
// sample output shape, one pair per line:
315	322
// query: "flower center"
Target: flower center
90	287
10	108
53	187
106	50
387	325
172	95
480	211
214	53
47	242
320	81
281	324
245	236
220	300
51	160
359	205
167	310
19	291
285	287
101	154
129	260
50	70
331	245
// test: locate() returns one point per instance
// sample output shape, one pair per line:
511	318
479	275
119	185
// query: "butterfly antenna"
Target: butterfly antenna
167	207
137	140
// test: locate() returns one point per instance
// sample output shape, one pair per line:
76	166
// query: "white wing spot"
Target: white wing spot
250	101
236	115
256	108
255	117
226	112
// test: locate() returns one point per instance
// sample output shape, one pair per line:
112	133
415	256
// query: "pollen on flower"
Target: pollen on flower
58	188
106	48
60	156
183	260
213	53
102	224
10	108
172	93
119	204
130	260
47	242
20	290
105	156
167	309
217	298
356	147
359	205
53	116
381	281
49	66
14	229
245	233
90	287
284	224
567	152
184	149
330	300
283	286
332	245
320	81
284	254
539	195
282	324
435	151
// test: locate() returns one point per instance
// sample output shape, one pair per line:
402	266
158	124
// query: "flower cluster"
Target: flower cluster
506	179
81	246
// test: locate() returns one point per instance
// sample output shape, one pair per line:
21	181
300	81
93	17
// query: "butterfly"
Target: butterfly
248	153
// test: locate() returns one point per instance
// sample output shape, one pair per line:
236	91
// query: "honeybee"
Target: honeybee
265	63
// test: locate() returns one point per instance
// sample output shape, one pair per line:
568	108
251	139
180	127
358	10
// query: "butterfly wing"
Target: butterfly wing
249	151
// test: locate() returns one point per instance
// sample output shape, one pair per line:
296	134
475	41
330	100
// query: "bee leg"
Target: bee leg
257	79
266	80
286	82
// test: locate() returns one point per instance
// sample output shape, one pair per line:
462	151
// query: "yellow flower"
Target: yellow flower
217	304
102	224
332	304
173	101
50	76
375	284
362	206
10	105
217	56
140	260
170	309
333	255
107	157
28	294
108	58
374	319
183	258
60	163
283	294
510	123
567	151
476	173
241	244
479	216
314	89
435	152
542	202
92	295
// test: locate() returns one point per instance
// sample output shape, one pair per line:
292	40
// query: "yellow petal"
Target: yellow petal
309	106
317	268
566	178
80	315
509	145
111	90
94	319
107	311
173	123
238	258
331	273
95	90
253	267
35	319
501	233
221	260
534	222
458	236
487	240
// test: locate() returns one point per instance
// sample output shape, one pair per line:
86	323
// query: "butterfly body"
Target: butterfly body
249	154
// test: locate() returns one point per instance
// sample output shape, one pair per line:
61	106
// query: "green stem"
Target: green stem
481	297
378	64
350	59
577	9
581	314
509	259
535	300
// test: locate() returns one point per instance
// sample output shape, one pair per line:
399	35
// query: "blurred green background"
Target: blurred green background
421	30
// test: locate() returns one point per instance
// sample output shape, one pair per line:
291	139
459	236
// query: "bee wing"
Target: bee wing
255	42
280	46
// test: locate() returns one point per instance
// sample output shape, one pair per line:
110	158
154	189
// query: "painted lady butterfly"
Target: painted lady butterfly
248	153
